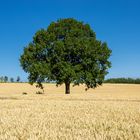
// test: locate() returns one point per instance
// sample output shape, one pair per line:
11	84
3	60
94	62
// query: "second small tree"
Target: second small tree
18	79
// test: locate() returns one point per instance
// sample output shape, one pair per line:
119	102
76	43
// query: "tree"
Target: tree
66	52
11	80
1	79
18	79
5	79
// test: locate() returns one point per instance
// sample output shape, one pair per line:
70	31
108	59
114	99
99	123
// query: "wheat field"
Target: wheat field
110	112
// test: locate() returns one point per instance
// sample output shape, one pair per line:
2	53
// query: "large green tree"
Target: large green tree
66	52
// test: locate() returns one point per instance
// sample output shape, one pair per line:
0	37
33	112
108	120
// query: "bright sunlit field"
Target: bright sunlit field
110	112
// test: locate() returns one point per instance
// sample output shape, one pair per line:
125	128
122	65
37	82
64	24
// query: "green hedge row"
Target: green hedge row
123	80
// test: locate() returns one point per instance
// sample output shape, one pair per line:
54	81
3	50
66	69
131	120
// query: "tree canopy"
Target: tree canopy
66	52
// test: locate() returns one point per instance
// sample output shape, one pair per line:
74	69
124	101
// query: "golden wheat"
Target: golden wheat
111	112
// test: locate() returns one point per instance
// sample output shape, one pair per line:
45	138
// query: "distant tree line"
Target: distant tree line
123	80
6	79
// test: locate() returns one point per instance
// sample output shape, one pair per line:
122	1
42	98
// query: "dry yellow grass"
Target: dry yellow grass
111	112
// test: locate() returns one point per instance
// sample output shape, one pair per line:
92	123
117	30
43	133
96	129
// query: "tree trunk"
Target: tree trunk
67	88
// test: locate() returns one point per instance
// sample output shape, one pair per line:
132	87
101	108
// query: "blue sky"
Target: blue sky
115	21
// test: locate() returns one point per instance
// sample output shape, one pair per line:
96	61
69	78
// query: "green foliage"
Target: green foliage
123	80
3	79
18	79
11	79
66	52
